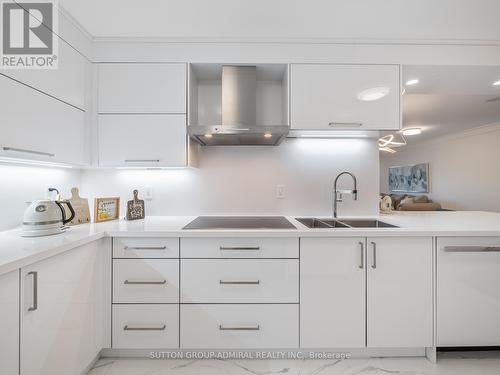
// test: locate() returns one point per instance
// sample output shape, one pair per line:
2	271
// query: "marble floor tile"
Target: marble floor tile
448	364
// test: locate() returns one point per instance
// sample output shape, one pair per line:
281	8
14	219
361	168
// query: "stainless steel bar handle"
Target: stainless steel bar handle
471	249
130	282
224	327
239	247
374	259
34	152
362	253
239	282
145	248
346	124
34	305
142	160
145	328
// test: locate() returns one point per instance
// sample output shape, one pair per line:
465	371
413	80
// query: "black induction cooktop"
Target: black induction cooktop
240	222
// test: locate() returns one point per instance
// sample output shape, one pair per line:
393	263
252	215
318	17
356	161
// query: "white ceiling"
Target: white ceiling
281	19
449	99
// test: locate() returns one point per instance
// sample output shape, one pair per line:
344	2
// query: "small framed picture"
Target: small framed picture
106	209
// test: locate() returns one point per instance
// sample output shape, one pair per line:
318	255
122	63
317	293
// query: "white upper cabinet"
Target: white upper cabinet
142	88
331	96
35	126
142	140
400	292
67	83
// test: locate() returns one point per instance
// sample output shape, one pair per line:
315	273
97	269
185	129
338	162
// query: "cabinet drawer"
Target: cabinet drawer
240	280
145	326
239	326
145	247
240	247
145	281
468	297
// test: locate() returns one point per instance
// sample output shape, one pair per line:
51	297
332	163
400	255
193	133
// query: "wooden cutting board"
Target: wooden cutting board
81	207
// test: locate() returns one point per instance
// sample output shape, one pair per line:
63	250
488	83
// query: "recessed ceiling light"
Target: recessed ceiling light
268	135
496	83
208	136
374	93
412	131
388	150
411	82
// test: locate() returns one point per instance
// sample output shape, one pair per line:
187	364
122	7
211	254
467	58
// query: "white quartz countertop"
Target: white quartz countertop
17	252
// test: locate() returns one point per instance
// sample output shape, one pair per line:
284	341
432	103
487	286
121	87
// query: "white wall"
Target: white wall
464	168
20	184
242	180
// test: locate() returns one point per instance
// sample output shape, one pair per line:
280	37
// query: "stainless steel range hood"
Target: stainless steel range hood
239	114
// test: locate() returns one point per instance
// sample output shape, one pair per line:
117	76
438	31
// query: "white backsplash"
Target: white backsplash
243	180
21	183
229	180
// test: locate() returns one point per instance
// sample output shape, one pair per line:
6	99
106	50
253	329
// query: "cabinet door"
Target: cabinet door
9	323
142	140
142	88
62	312
332	292
468	296
326	96
399	297
35	126
67	82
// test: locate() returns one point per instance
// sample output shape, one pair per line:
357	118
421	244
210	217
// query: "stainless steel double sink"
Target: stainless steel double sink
312	222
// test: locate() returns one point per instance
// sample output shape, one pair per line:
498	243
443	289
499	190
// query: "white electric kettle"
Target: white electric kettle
45	218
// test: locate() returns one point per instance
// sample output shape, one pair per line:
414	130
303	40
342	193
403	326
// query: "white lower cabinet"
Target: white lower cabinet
145	280
468	293
63	312
332	293
145	326
9	323
144	247
239	326
240	247
240	281
400	292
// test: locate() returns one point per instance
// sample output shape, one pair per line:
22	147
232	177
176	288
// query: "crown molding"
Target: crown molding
273	40
64	13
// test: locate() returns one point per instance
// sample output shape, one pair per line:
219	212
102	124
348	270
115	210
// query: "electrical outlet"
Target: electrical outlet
148	194
280	191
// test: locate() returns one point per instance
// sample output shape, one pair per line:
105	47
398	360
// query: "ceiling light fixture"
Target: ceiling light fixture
374	93
412	131
208	135
387	149
393	140
268	135
412	82
496	83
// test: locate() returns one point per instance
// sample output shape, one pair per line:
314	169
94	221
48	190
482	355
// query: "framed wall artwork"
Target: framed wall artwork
409	178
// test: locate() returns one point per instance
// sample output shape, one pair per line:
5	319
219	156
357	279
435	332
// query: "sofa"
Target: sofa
407	202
